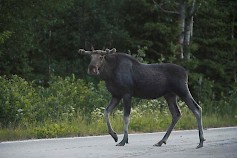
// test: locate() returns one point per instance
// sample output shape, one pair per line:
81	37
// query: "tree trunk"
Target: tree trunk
185	12
187	37
181	26
186	28
234	49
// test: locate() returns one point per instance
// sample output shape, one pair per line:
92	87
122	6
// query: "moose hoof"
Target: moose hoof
200	144
160	143
120	144
123	142
114	135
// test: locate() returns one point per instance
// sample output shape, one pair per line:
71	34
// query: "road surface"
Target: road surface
220	143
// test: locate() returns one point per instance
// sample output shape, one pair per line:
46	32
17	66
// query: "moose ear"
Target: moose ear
110	57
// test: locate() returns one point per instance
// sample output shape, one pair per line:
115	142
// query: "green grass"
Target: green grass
147	122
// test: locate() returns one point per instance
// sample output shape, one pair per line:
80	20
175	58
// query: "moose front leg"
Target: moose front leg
113	103
127	110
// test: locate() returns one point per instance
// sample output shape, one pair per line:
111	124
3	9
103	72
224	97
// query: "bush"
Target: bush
23	101
18	100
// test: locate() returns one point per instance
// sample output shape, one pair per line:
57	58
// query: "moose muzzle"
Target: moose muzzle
93	70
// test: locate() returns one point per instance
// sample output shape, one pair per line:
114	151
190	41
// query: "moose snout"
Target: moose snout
93	70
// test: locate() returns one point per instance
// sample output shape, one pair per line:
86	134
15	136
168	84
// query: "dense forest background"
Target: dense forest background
39	40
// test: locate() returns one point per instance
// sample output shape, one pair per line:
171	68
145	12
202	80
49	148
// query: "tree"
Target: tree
41	38
22	22
216	51
185	9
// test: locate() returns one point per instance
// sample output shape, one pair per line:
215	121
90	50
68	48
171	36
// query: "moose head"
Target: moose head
97	59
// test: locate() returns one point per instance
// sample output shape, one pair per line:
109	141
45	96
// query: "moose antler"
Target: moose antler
82	51
107	51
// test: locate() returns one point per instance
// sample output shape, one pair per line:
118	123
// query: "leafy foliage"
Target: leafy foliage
22	101
38	55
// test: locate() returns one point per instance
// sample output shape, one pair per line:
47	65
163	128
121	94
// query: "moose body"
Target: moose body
125	78
146	81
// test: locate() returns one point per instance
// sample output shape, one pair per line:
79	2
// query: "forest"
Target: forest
45	90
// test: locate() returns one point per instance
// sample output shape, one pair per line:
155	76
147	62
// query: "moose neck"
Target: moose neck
107	69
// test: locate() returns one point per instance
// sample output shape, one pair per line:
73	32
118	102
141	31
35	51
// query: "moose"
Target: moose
125	77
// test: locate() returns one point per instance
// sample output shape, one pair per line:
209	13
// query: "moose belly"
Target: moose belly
144	90
148	93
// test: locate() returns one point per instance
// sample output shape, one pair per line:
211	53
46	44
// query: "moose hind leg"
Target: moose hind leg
113	103
197	111
175	112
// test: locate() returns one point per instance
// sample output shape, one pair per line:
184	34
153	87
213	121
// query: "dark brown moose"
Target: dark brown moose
125	78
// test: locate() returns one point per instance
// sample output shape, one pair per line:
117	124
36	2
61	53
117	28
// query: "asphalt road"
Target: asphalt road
220	143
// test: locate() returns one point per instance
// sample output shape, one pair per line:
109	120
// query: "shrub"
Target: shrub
23	101
18	100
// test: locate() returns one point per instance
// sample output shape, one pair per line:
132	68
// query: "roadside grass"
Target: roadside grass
146	122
